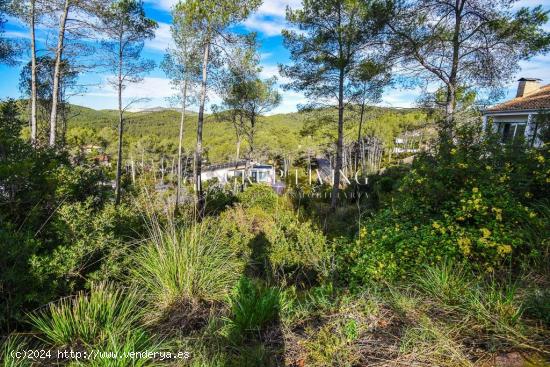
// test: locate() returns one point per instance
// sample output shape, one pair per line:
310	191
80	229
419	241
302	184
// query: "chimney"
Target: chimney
527	86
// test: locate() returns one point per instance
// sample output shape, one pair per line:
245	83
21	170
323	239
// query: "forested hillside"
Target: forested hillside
156	133
344	235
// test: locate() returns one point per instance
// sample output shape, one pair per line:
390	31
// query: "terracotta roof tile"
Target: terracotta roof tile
535	101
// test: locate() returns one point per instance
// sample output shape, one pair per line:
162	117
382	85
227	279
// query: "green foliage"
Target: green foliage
9	345
446	282
185	265
104	316
93	244
332	344
252	307
37	184
471	202
537	305
291	248
260	196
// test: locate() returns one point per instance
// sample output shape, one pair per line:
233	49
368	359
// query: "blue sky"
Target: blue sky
267	21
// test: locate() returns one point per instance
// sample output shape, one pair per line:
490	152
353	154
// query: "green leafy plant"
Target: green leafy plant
104	317
253	306
185	265
445	282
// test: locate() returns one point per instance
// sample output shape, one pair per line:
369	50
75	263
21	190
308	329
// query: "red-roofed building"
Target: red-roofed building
516	117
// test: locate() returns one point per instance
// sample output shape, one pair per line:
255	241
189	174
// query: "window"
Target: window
511	131
260	176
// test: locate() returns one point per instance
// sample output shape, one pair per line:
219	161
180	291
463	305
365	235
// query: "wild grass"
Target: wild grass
433	343
446	283
93	319
185	265
253	307
333	344
11	344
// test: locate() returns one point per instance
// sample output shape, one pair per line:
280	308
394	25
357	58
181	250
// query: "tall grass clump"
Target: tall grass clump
11	344
432	344
89	319
446	282
187	265
253	306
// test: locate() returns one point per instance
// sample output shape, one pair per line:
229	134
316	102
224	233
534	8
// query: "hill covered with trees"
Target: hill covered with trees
439	259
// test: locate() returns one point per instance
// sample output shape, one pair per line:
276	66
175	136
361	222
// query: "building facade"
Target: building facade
521	116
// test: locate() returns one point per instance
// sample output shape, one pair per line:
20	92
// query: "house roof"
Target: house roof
236	164
215	167
539	100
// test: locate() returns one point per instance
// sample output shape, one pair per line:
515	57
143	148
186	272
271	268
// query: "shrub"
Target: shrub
182	265
332	345
89	319
258	195
470	203
253	306
93	244
537	305
293	249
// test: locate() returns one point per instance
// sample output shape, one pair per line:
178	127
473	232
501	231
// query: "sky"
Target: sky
267	21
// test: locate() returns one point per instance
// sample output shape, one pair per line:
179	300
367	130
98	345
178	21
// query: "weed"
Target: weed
185	267
91	319
447	283
252	306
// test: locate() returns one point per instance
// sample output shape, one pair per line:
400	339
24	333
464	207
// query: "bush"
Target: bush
185	265
36	183
292	248
253	307
472	203
333	344
258	195
96	320
93	244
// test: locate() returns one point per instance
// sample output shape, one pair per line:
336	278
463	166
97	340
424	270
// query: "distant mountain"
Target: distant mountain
156	129
153	109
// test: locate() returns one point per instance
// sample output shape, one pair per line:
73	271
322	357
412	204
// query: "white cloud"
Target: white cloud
290	99
269	19
399	98
163	38
268	26
278	7
265	55
17	34
162	4
149	87
269	71
150	92
537	67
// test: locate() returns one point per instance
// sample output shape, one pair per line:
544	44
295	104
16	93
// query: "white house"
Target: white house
516	117
227	172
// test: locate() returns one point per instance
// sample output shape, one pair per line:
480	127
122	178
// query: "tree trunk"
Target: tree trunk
57	73
339	143
361	116
180	142
33	75
120	126
449	111
200	122
238	150
119	154
251	136
450	103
